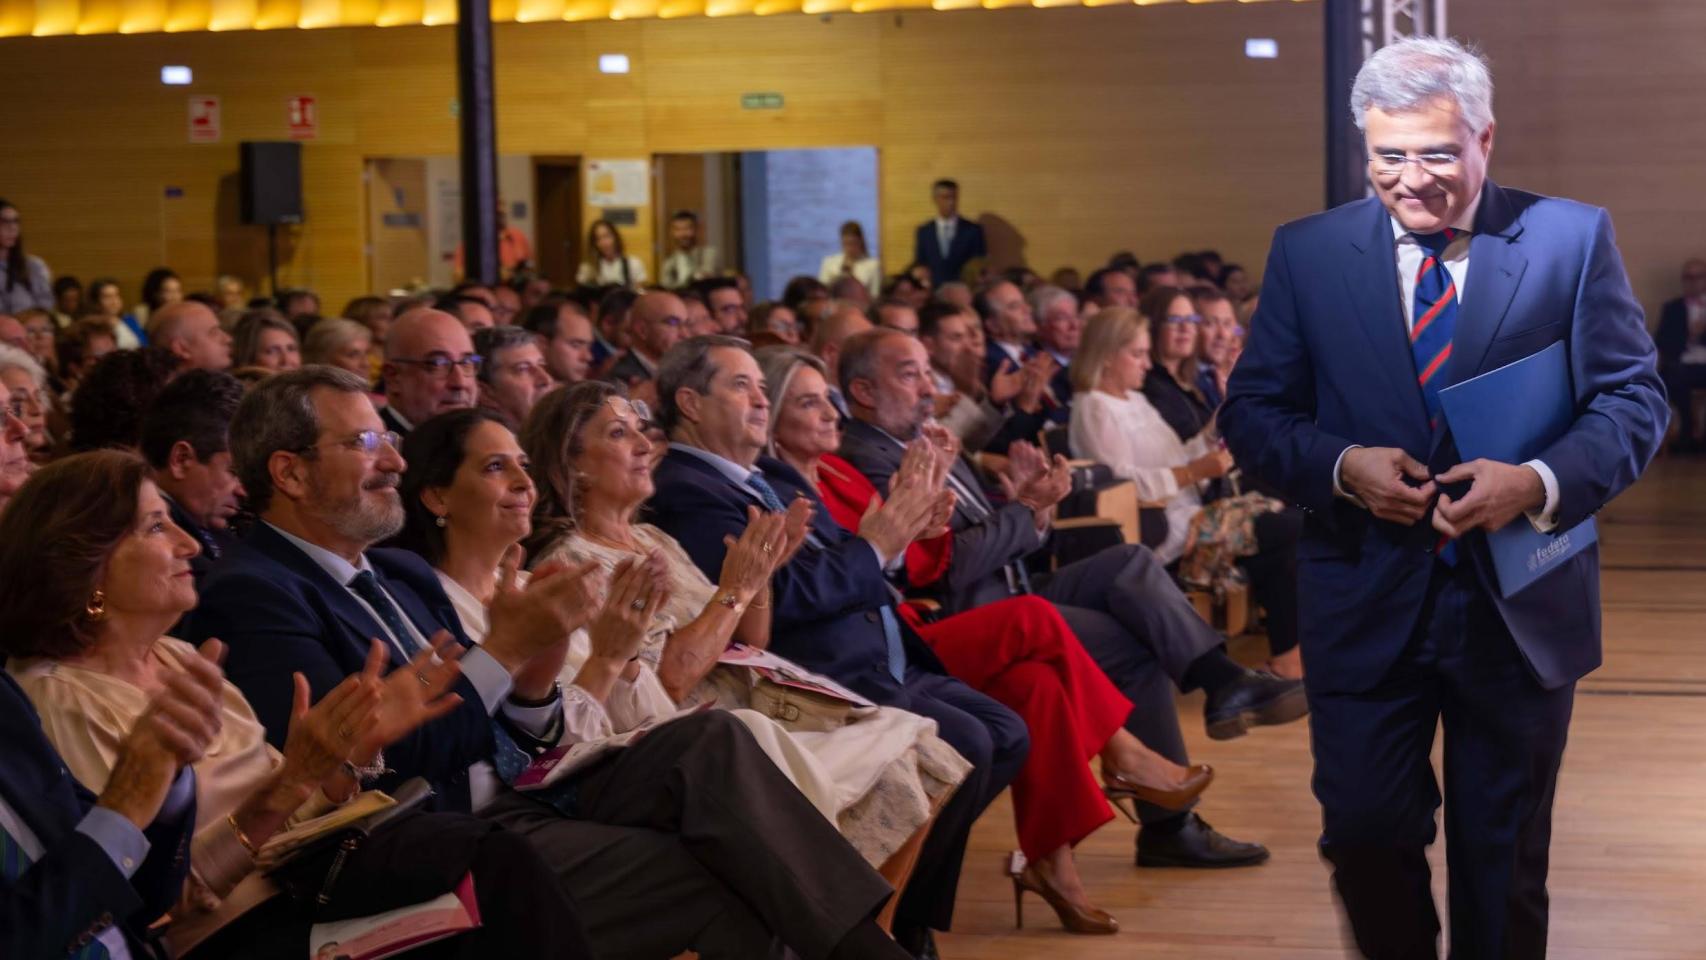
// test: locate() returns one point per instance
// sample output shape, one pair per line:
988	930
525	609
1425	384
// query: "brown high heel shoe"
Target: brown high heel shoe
1124	792
1028	879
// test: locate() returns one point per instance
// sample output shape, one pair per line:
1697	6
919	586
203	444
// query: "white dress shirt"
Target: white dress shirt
945	233
1130	437
1410	255
867	271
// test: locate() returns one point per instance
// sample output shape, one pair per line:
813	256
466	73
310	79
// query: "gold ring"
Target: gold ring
345	733
425	681
638	604
767	548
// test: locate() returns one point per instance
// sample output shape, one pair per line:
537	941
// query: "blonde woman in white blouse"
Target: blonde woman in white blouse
1114	423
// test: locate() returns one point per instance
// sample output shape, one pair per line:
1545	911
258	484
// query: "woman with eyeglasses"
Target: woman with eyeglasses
25	281
776	318
266	340
23	388
1217	541
1175	329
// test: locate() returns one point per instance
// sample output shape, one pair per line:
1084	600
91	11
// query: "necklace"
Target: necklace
612	544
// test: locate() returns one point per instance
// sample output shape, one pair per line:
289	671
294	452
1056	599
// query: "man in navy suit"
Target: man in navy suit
82	875
834	610
1366	312
1682	331
946	244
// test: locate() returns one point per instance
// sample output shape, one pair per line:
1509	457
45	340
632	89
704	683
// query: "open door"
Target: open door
557	222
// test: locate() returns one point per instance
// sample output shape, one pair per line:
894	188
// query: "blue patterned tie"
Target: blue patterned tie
1430	336
366	586
13	862
891	623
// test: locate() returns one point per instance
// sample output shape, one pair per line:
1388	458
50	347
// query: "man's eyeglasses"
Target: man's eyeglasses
1389	163
438	367
367	441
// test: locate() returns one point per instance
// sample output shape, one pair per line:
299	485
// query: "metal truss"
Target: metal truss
1385	21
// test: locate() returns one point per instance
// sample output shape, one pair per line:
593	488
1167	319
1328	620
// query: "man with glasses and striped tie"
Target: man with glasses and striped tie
1367	312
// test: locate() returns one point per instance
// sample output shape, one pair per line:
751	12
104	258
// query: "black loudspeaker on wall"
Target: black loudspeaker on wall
271	182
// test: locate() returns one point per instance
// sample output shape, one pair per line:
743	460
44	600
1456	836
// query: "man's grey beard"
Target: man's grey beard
360	521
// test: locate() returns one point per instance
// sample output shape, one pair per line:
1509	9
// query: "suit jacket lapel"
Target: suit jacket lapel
1496	265
337	596
1371	277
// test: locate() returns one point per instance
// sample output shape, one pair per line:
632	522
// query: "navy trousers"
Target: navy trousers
1504	740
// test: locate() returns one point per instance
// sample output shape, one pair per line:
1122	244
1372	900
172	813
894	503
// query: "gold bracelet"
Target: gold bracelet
242	838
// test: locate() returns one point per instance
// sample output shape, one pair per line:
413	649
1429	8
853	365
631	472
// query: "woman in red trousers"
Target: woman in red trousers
1018	651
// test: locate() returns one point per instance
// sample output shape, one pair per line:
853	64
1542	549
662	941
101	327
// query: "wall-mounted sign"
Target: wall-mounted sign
618	183
303	118
204	120
761	101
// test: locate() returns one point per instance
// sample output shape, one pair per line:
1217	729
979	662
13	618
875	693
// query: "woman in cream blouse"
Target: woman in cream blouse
108	573
854	261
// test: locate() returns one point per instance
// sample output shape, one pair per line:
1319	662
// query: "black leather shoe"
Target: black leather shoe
1197	845
1256	699
918	941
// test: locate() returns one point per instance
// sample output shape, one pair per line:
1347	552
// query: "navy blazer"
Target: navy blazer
1328	365
280	613
825	602
967	245
986	541
74	891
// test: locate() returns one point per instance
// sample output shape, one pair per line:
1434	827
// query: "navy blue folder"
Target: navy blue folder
1512	415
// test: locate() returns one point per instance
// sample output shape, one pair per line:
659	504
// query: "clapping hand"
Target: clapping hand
1035	481
798	529
411	695
178	726
1006	382
1035	376
322	737
527	622
623	623
751	559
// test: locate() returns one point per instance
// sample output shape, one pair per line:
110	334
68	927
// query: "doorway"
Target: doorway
557	200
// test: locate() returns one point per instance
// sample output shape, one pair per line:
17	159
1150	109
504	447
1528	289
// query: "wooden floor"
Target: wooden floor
1628	873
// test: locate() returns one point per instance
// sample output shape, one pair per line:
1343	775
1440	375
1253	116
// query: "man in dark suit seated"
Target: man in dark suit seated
833	607
656	321
1121	603
430	367
657	868
84	876
186	441
946	244
1681	341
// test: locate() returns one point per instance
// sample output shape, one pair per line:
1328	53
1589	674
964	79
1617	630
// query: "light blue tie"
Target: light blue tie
891	623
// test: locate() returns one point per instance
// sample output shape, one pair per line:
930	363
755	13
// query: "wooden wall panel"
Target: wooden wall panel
1086	130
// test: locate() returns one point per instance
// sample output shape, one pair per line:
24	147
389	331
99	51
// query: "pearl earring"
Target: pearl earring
439	521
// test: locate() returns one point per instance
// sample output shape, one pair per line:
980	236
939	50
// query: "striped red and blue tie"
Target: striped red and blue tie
1430	336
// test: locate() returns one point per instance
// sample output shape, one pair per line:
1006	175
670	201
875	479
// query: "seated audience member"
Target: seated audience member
1018	651
191	330
505	306
337	342
15	464
877	777
1111	287
963	401
1121	603
654	325
25	280
1171	384
725	858
430	367
474	312
726	302
845	319
1235	280
86	875
106	409
1215	354
39	333
832	608
1156	275
67	300
853	261
689	261
79	347
776	318
1068	279
262	339
905	288
1017	373
699	322
1059	325
13	334
531	288
106	299
298	303
186	441
896	315
955	292
512	374
1114	423
610	320
374	313
1213	266
852	291
26	396
565	337
607	263
1681	341
230	292
85	641
805	296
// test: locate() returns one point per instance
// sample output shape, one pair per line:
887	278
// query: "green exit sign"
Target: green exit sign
761	101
